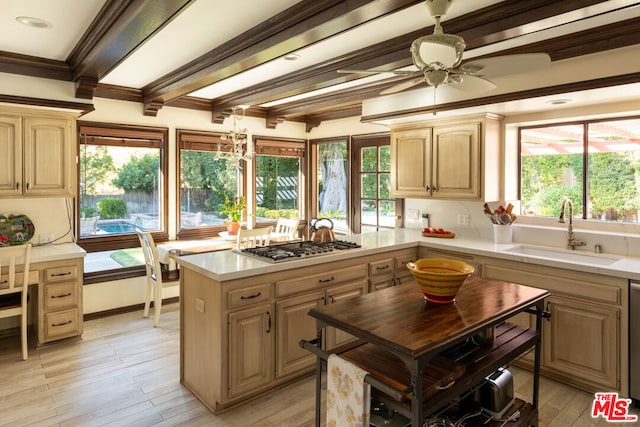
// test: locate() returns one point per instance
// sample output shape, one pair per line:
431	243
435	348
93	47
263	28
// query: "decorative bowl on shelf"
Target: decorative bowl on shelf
440	279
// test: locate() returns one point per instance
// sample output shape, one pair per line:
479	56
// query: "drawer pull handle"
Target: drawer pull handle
61	274
326	280
251	296
268	321
61	324
383	267
444	387
61	296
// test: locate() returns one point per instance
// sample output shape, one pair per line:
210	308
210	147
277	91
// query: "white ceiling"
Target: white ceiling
206	24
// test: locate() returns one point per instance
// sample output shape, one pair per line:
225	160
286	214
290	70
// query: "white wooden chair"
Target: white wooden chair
287	227
14	287
155	280
254	237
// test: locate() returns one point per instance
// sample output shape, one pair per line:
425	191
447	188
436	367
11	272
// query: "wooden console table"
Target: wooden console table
402	339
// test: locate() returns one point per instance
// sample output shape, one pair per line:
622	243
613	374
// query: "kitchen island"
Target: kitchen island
242	318
406	341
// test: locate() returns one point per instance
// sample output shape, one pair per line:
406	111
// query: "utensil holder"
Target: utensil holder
502	233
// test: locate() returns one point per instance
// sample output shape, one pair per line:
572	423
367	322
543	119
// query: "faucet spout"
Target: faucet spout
572	242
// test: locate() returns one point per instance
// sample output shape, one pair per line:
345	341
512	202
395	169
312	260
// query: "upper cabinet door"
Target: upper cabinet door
46	153
10	155
456	161
411	162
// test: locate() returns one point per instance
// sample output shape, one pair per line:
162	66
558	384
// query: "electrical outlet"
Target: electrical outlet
463	219
45	238
199	305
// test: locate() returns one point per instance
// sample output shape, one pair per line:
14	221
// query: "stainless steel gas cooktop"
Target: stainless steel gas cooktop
288	251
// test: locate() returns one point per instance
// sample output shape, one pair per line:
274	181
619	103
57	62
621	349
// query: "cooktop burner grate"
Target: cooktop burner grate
288	251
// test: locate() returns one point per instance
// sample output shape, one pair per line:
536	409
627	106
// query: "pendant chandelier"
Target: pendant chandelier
238	150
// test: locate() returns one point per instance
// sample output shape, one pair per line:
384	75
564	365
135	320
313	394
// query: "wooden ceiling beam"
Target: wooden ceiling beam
302	25
120	27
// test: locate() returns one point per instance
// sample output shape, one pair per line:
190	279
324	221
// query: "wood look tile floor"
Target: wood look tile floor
124	372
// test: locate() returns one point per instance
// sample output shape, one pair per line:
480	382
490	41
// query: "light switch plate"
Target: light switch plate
413	214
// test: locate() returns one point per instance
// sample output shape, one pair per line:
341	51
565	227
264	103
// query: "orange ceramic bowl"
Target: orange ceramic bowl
440	279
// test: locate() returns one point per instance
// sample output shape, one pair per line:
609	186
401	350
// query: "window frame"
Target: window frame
361	141
313	176
114	242
534	219
204	140
284	147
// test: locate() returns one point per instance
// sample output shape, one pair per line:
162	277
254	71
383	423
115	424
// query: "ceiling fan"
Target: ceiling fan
438	58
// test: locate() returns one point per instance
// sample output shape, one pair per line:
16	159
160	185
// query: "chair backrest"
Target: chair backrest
10	281
151	261
288	227
253	237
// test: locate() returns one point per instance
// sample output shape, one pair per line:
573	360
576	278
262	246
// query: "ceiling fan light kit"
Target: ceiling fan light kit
438	58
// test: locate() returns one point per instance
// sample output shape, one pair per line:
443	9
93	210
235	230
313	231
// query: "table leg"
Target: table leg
416	368
319	379
537	354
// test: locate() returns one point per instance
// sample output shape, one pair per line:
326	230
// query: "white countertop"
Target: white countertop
227	265
56	252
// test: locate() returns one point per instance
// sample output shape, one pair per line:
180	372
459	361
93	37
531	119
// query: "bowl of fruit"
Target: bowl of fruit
440	279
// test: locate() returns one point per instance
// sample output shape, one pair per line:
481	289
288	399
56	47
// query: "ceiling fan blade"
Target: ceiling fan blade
402	86
473	84
374	71
507	64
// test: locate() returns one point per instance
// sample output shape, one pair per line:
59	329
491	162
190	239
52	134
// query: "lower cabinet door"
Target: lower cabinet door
250	349
336	337
581	342
295	324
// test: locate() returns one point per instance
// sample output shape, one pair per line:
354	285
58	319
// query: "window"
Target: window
371	184
330	183
122	186
206	179
596	164
279	178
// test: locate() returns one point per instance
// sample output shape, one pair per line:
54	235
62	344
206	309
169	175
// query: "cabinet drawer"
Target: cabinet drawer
315	281
244	296
60	295
59	274
384	266
4	280
61	324
401	265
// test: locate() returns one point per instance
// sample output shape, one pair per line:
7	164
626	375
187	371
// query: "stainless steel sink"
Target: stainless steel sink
562	255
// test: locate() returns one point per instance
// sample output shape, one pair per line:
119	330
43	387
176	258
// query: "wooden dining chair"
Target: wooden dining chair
156	281
14	287
253	237
287	227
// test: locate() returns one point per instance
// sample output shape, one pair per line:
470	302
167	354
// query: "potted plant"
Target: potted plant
233	209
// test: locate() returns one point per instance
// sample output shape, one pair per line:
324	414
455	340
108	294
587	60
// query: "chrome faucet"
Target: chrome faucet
572	242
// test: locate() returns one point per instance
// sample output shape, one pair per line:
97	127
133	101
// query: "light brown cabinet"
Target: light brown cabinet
582	340
446	160
37	154
250	349
294	324
59	300
391	270
309	291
